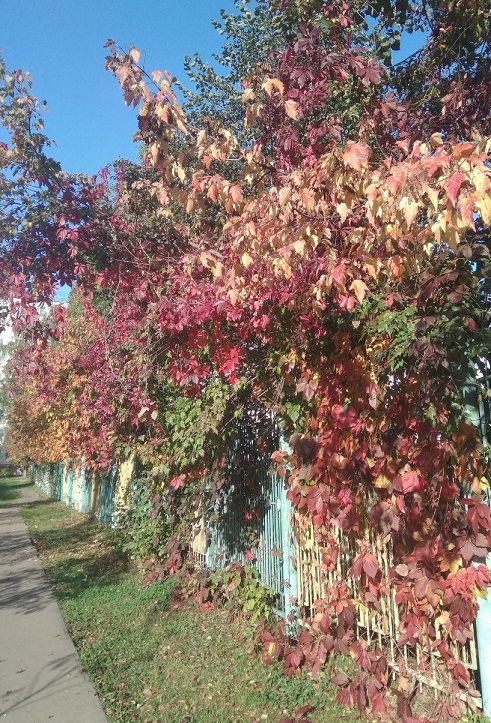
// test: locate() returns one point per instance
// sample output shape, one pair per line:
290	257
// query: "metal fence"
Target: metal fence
72	484
381	626
250	520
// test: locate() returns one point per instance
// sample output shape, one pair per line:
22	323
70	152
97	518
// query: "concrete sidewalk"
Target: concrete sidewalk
41	677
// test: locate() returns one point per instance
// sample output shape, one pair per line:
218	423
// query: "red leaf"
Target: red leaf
177	482
357	567
410	481
379	704
296	658
302	711
236	194
453	185
370	565
340	679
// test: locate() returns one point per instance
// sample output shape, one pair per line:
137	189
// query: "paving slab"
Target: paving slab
41	676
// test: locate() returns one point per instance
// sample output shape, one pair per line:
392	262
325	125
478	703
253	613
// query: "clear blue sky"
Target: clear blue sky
60	42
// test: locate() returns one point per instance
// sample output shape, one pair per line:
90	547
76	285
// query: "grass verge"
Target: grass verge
149	661
10	489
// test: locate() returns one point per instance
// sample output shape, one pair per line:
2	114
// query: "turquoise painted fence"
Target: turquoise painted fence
85	490
478	397
250	520
107	501
49	479
77	488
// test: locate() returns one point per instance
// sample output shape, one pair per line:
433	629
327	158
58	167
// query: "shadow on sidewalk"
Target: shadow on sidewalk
58	673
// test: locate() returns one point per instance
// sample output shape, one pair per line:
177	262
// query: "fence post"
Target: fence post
474	411
289	568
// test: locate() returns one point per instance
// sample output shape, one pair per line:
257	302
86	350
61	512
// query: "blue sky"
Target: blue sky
60	42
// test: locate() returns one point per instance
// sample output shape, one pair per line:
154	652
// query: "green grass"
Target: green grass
150	659
10	489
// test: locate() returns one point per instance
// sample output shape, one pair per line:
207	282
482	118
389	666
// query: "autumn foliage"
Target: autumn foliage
333	270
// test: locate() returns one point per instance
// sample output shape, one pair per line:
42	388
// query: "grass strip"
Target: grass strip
151	661
10	489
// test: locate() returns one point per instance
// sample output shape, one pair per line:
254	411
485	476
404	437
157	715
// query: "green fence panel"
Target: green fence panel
57	477
69	487
250	522
46	477
107	507
85	489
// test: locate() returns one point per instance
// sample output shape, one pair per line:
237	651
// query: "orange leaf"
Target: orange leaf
356	155
236	194
284	195
359	289
271	83
463	150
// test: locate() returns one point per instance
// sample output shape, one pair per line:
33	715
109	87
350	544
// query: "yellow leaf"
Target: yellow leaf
484	206
248	95
287	269
382	482
452	237
201	138
373	266
246	259
153	150
482	181
436	140
411	211
456	564
217	269
271	83
191	204
432	194
284	195
162	112
443	618
343	211
299	246
135	55
359	289
291	109
181	125
205	258
181	173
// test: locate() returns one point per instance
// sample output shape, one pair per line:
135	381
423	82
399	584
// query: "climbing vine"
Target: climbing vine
333	269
